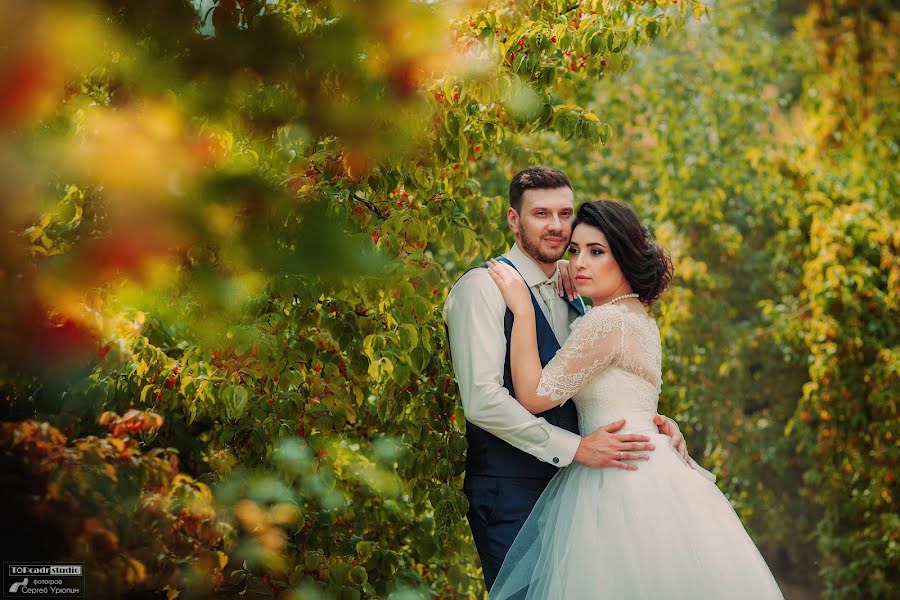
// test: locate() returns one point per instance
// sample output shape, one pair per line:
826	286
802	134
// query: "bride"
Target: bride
662	530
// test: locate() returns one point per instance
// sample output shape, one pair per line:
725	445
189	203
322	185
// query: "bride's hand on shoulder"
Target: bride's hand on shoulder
565	283
512	286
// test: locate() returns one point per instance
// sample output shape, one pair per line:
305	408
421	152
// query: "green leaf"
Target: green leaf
462	148
241	398
409	337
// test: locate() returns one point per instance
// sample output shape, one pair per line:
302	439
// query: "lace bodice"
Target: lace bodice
611	365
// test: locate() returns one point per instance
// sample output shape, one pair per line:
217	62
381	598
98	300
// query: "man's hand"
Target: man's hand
670	428
603	448
565	283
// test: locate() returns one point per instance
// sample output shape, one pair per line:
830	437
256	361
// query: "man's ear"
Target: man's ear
512	218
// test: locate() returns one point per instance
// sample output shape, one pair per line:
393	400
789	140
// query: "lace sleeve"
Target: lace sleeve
596	342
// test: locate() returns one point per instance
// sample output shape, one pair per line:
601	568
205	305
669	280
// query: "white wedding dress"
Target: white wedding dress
664	531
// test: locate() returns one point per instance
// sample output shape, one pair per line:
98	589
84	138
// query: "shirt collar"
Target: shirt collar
525	265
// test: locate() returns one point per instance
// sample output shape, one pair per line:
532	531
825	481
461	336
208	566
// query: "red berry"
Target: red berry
157	394
439	96
376	236
602	62
456	95
353	563
453	418
521	42
455	166
471	23
477	147
512	56
357	209
553	39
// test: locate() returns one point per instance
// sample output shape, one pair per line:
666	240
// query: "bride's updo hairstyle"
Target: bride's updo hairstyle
644	263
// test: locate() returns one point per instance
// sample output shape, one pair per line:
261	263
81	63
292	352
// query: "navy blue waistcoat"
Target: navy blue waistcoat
491	456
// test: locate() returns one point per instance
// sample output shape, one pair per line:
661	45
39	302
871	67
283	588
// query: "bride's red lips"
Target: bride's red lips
581	278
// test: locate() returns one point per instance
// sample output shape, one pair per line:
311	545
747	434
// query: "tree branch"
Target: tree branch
370	206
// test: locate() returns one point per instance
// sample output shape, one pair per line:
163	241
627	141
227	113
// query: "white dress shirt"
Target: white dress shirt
474	313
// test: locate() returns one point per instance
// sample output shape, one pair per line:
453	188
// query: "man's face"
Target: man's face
543	224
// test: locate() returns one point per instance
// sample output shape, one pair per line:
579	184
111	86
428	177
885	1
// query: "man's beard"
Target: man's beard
533	250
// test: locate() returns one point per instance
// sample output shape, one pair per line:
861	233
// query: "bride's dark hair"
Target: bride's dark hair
644	263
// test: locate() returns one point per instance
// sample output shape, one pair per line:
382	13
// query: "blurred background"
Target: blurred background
229	227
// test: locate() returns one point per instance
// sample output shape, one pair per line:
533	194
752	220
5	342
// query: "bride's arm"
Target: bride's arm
592	347
525	363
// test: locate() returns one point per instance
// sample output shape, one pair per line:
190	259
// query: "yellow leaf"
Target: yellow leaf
34	233
182	478
136	572
223	559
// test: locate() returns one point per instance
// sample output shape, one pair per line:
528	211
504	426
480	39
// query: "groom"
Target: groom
513	454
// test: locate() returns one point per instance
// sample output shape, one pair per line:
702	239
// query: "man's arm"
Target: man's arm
670	428
474	315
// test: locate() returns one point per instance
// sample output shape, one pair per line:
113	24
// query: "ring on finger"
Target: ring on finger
621	454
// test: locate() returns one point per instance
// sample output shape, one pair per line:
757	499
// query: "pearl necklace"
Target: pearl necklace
622	297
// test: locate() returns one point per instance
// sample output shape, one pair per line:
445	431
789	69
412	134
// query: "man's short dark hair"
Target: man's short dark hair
535	178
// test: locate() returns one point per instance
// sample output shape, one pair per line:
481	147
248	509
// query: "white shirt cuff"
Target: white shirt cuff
562	447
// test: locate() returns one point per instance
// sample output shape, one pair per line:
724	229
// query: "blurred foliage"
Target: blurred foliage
244	216
129	516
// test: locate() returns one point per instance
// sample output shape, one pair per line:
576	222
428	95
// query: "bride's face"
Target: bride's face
597	274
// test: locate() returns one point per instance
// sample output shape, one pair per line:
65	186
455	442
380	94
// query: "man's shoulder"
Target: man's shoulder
476	283
475	288
475	277
478	278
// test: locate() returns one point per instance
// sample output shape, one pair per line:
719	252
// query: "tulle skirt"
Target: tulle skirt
662	532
